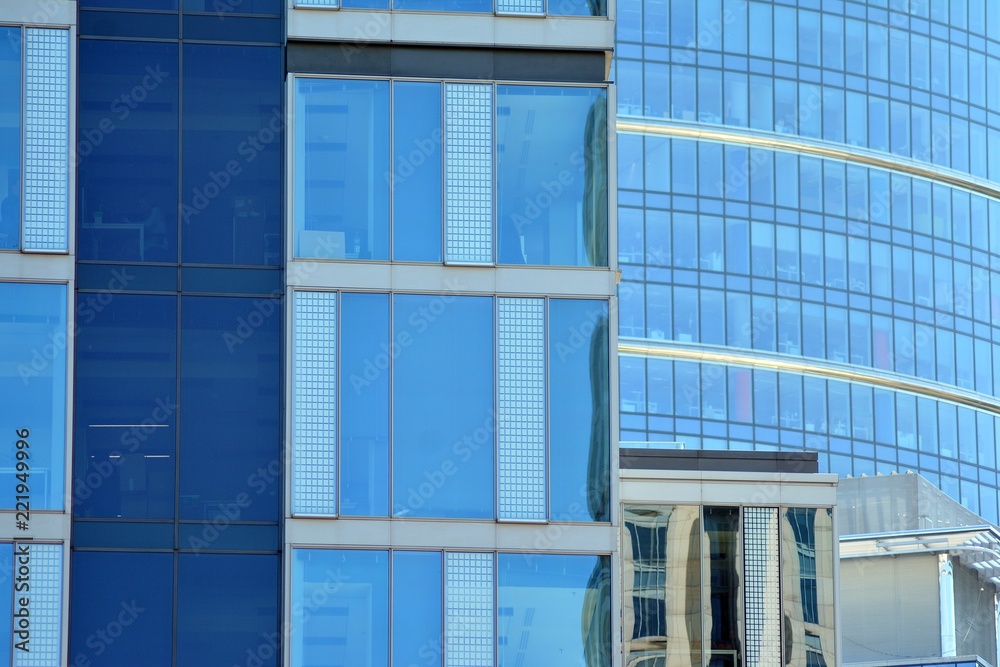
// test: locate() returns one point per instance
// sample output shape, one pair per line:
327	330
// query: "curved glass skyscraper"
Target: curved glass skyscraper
809	232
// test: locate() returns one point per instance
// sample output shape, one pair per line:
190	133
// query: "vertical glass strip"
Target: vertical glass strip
314	403
521	414
807	590
44	604
46	146
762	590
469	173
468	601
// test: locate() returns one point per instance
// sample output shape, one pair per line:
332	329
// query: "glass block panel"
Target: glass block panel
331	4
314	429
762	586
44	604
520	6
521	402
46	145
468	614
469	173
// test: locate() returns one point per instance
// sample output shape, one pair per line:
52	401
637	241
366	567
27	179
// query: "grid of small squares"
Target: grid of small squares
317	3
521	6
762	588
315	404
468	594
469	173
46	150
44	604
521	397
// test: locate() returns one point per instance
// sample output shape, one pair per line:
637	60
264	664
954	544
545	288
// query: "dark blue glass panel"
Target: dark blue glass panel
458	6
121	609
416	607
229	447
552	175
127	151
132	4
579	411
233	126
227	610
416	172
146	25
340	602
126	406
6	601
443	420
10	137
220	7
365	354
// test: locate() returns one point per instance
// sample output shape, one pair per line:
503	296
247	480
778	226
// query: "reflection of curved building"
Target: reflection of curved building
809	233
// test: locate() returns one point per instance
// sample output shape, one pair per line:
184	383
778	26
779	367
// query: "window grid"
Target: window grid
46	151
469	173
44	603
469	606
532	7
762	588
314	429
521	403
329	4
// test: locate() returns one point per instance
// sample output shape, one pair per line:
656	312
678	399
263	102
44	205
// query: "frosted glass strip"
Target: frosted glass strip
44	598
46	140
332	4
521	403
469	173
314	401
468	600
763	592
535	7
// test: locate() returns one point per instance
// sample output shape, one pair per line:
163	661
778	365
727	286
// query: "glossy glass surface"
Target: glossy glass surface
133	590
551	211
33	338
463	6
443	397
10	137
416	608
126	406
340	598
723	600
807	585
7	601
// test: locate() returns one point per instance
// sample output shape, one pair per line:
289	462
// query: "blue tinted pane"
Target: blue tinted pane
134	590
131	4
10	137
558	609
227	610
552	175
443	418
340	602
416	607
365	355
233	126
229	444
578	8
445	5
365	4
127	151
33	338
341	162
416	172
126	405
579	410
6	601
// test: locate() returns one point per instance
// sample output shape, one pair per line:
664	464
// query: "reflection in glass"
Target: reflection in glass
416	607
723	603
10	138
807	586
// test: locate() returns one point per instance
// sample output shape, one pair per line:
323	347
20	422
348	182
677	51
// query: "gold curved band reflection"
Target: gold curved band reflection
806	146
815	367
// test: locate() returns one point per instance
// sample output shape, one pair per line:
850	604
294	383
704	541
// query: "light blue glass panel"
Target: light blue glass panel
10	138
417	171
44	604
341	192
33	339
314	411
340	602
6	601
416	608
521	403
529	7
443	407
46	147
555	610
468	609
468	173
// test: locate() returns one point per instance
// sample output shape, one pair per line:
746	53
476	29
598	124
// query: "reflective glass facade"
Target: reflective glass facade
819	271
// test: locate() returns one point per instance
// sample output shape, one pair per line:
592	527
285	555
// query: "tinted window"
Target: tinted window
416	172
10	137
416	607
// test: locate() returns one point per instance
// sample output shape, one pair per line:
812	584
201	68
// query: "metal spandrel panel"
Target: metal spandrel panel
469	173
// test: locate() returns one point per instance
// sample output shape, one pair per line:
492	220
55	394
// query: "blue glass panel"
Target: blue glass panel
233	127
579	409
131	4
122	609
443	419
340	601
341	161
578	8
6	601
127	151
416	172
126	406
552	211
230	435
365	356
227	610
33	385
416	608
458	6
10	137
